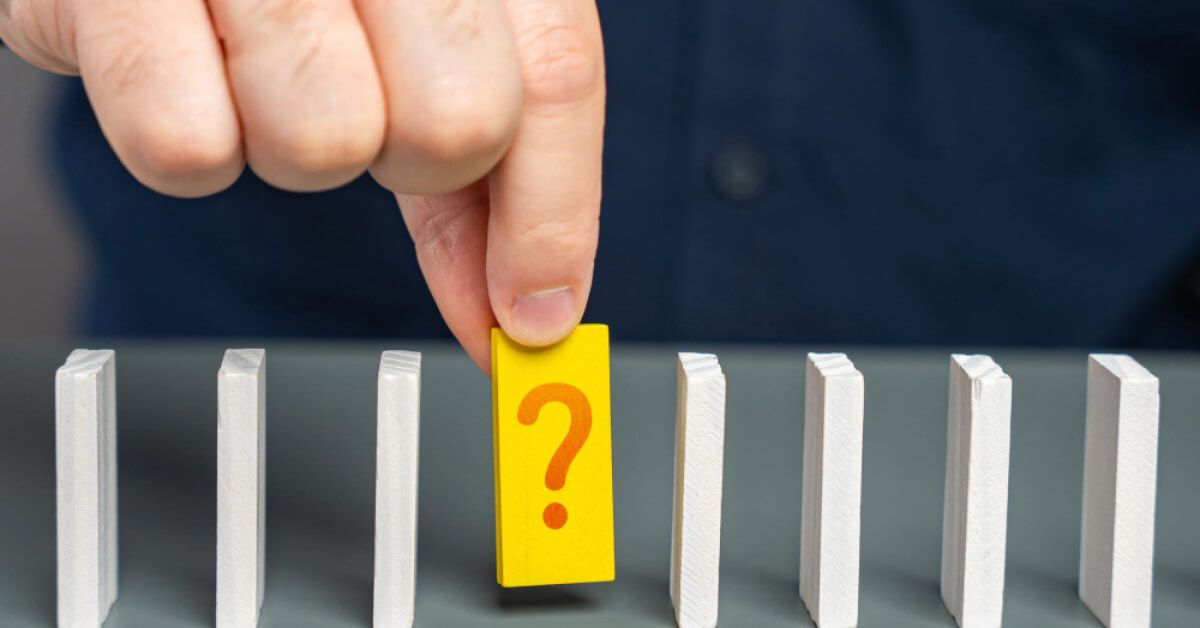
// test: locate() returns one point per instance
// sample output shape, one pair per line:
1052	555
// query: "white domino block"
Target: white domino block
699	460
398	427
832	490
241	487
1119	474
85	431
974	519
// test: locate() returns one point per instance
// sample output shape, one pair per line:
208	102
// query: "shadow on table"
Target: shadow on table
651	596
546	598
27	557
769	593
469	571
1182	584
910	595
355	597
1056	596
313	552
37	607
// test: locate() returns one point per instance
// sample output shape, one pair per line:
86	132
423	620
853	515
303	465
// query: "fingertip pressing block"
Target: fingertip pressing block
553	456
85	433
832	490
396	450
699	459
1119	475
974	520
241	487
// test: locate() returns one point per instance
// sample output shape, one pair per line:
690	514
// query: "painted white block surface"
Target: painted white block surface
241	487
396	448
832	490
974	519
1119	476
85	434
699	461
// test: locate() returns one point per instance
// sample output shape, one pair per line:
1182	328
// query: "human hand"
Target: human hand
484	117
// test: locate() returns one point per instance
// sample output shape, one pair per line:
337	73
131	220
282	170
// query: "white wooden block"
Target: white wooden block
975	514
398	427
696	514
832	489
241	487
85	431
1119	474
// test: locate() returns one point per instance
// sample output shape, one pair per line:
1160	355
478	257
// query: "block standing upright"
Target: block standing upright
85	432
552	447
1120	468
241	487
699	473
396	456
975	510
832	490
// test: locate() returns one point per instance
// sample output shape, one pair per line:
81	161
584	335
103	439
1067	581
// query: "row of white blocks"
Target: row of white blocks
1118	507
85	433
1120	468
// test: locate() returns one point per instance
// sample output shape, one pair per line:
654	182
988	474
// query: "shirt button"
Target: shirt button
738	170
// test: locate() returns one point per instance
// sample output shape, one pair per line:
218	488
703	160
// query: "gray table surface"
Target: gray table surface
320	465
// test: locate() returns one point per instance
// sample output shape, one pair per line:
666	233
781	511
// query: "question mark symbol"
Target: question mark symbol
555	514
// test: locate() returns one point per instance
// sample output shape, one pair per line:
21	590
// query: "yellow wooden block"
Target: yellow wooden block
552	434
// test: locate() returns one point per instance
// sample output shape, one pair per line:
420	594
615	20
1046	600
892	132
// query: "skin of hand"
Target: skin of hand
484	117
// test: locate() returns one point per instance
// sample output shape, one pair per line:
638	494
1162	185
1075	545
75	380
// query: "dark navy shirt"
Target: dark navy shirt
903	171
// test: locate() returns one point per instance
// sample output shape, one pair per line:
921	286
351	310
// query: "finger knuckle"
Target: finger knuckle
171	150
39	30
312	47
454	124
318	146
302	23
291	16
463	19
560	62
130	65
439	232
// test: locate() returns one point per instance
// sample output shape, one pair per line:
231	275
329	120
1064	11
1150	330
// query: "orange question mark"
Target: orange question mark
555	514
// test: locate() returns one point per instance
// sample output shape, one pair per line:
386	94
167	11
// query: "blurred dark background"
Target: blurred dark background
41	252
933	172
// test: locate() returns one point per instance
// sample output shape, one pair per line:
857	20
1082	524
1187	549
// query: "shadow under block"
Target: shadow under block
976	498
552	443
241	487
85	430
699	470
396	462
1119	475
832	490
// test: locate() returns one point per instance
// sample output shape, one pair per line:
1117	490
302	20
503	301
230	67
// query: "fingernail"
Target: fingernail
544	317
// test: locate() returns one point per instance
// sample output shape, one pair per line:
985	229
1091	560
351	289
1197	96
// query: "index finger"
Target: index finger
545	193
